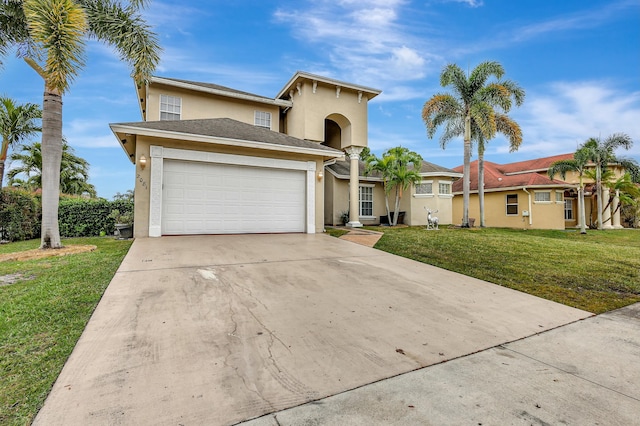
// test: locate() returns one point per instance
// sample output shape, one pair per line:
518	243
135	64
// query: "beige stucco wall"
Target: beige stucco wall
143	176
197	105
305	120
414	205
337	201
542	215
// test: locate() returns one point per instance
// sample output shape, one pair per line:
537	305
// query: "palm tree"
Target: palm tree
627	191
601	154
577	164
472	104
17	122
74	170
50	37
405	171
383	167
399	168
504	125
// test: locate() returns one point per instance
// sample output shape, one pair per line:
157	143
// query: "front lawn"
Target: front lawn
597	272
42	316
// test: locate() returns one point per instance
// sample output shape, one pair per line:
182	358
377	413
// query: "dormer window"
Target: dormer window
262	119
170	107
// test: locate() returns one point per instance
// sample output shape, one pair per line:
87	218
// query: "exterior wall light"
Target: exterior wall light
320	175
142	161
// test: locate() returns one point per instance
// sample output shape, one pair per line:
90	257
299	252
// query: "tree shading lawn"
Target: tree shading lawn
42	317
596	272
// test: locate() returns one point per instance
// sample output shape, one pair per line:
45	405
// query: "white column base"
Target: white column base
354	225
607	226
618	227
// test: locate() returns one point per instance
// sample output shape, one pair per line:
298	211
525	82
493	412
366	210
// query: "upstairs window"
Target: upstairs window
170	107
512	204
559	197
262	119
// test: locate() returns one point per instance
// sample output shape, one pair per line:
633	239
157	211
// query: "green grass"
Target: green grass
597	272
336	232
42	318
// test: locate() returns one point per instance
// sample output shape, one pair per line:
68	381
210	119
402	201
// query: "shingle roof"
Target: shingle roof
342	169
229	129
215	87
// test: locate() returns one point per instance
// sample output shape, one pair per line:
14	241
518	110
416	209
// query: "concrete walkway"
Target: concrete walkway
221	329
363	237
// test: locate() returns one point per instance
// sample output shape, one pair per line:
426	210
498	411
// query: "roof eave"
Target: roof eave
305	75
167	134
182	85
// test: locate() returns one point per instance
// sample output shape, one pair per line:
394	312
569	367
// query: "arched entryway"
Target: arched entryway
337	131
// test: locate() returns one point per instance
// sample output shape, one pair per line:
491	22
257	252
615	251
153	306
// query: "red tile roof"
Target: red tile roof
523	173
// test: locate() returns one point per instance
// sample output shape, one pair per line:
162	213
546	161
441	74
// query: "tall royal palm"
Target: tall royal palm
50	36
602	153
472	104
17	122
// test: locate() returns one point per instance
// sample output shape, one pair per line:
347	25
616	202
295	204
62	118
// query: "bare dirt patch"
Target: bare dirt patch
40	254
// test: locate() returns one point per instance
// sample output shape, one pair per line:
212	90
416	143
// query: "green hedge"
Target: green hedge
20	215
79	217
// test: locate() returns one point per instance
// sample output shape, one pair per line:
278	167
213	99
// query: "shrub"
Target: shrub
81	217
20	215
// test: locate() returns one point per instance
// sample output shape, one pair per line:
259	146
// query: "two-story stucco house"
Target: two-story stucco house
215	160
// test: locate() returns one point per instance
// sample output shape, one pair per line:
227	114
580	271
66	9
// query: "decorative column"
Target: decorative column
606	214
354	186
616	211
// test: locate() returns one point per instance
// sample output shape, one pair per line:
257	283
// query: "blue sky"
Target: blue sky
578	60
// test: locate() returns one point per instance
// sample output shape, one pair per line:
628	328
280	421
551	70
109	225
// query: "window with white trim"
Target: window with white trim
542	196
365	200
170	107
444	188
262	119
424	188
512	204
568	209
559	196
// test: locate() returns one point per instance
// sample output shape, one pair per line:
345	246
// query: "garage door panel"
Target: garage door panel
210	198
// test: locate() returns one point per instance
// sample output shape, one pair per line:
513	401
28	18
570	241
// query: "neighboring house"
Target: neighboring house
434	193
521	195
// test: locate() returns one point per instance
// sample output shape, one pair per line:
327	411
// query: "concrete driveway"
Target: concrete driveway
221	329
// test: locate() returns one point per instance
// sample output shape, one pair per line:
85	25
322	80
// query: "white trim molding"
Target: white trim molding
159	154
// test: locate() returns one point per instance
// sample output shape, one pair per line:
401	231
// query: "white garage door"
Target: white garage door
212	198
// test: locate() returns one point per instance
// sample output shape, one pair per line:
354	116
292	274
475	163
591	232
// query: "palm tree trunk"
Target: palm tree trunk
481	182
581	209
599	195
466	171
397	207
1	171
51	159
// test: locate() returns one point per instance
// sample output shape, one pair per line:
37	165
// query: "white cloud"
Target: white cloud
472	3
566	114
365	40
89	133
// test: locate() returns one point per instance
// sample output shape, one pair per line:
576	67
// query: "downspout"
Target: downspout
530	212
